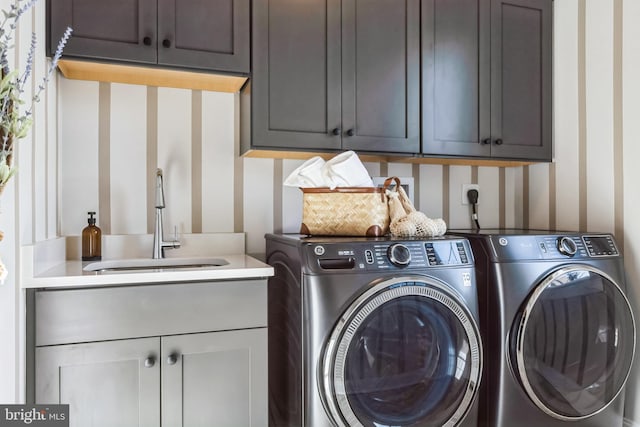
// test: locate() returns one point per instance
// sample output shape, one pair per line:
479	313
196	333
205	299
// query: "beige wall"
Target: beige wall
111	137
597	106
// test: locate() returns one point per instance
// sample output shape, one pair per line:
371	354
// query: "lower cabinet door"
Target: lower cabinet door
215	379
110	383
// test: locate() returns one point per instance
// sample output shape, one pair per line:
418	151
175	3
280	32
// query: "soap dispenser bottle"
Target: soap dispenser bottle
91	240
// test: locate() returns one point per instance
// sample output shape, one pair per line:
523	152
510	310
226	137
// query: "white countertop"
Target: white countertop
71	274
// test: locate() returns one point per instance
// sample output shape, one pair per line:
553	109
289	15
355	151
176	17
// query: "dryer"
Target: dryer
559	331
372	332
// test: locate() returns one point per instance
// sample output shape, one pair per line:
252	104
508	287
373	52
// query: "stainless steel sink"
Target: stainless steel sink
148	264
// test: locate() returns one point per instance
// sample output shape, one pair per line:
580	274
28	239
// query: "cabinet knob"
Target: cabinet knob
147	41
335	131
149	362
498	141
350	132
166	43
172	359
485	141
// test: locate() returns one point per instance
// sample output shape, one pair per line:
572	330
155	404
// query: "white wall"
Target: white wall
28	207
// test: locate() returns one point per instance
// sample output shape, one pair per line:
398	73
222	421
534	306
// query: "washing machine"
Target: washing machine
558	329
372	332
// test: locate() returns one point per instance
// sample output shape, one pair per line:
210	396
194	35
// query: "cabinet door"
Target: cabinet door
215	379
455	77
208	34
111	383
115	29
521	78
295	92
381	75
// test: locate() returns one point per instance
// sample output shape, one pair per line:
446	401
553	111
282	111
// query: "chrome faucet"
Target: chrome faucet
159	244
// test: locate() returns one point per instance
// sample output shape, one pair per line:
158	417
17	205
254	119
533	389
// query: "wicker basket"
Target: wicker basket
346	211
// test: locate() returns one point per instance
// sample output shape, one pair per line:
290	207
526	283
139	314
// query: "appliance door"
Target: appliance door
573	342
405	353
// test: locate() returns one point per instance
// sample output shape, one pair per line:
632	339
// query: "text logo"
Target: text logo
34	415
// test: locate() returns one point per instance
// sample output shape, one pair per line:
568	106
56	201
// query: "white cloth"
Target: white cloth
307	175
346	170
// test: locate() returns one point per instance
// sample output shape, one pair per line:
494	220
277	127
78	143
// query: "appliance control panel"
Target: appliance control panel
527	247
598	246
561	247
383	255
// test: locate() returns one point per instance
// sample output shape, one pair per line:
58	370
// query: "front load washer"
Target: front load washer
558	329
372	332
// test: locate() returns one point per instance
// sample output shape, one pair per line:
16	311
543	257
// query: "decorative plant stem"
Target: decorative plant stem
15	121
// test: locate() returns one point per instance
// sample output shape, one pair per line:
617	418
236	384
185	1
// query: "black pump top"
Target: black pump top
92	220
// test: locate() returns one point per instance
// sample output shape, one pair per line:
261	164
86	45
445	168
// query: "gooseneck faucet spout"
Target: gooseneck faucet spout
159	244
159	190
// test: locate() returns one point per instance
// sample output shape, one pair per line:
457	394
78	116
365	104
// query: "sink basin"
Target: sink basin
148	264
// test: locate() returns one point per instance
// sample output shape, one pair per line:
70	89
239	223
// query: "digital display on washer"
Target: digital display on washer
600	245
446	253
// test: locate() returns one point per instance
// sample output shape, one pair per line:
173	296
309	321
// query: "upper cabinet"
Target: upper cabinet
486	72
201	34
430	78
330	75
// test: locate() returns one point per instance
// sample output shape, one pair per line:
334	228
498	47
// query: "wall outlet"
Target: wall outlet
467	187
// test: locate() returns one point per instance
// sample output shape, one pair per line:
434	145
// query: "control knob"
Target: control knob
399	255
566	246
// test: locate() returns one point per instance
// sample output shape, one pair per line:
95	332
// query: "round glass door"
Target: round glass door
573	343
407	353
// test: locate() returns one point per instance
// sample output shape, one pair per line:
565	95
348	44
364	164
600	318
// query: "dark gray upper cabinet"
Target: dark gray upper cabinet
121	29
211	34
487	78
296	78
204	34
326	77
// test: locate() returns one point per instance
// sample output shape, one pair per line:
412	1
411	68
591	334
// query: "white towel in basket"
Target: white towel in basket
307	175
346	170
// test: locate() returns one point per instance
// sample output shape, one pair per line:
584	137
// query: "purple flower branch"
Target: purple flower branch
15	124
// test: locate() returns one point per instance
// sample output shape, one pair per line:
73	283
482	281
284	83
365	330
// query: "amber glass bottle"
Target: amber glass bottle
91	240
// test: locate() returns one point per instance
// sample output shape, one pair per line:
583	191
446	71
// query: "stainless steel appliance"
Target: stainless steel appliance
559	331
366	332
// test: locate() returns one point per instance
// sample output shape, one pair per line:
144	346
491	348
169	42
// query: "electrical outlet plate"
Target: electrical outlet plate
465	189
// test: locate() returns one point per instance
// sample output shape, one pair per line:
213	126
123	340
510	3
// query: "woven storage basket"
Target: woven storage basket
346	211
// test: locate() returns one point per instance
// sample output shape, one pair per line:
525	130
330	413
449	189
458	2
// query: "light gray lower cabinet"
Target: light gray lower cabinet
178	364
214	379
106	384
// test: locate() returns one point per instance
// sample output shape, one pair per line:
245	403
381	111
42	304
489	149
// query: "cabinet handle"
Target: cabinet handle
498	141
172	359
147	41
350	132
485	141
166	43
149	362
335	131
